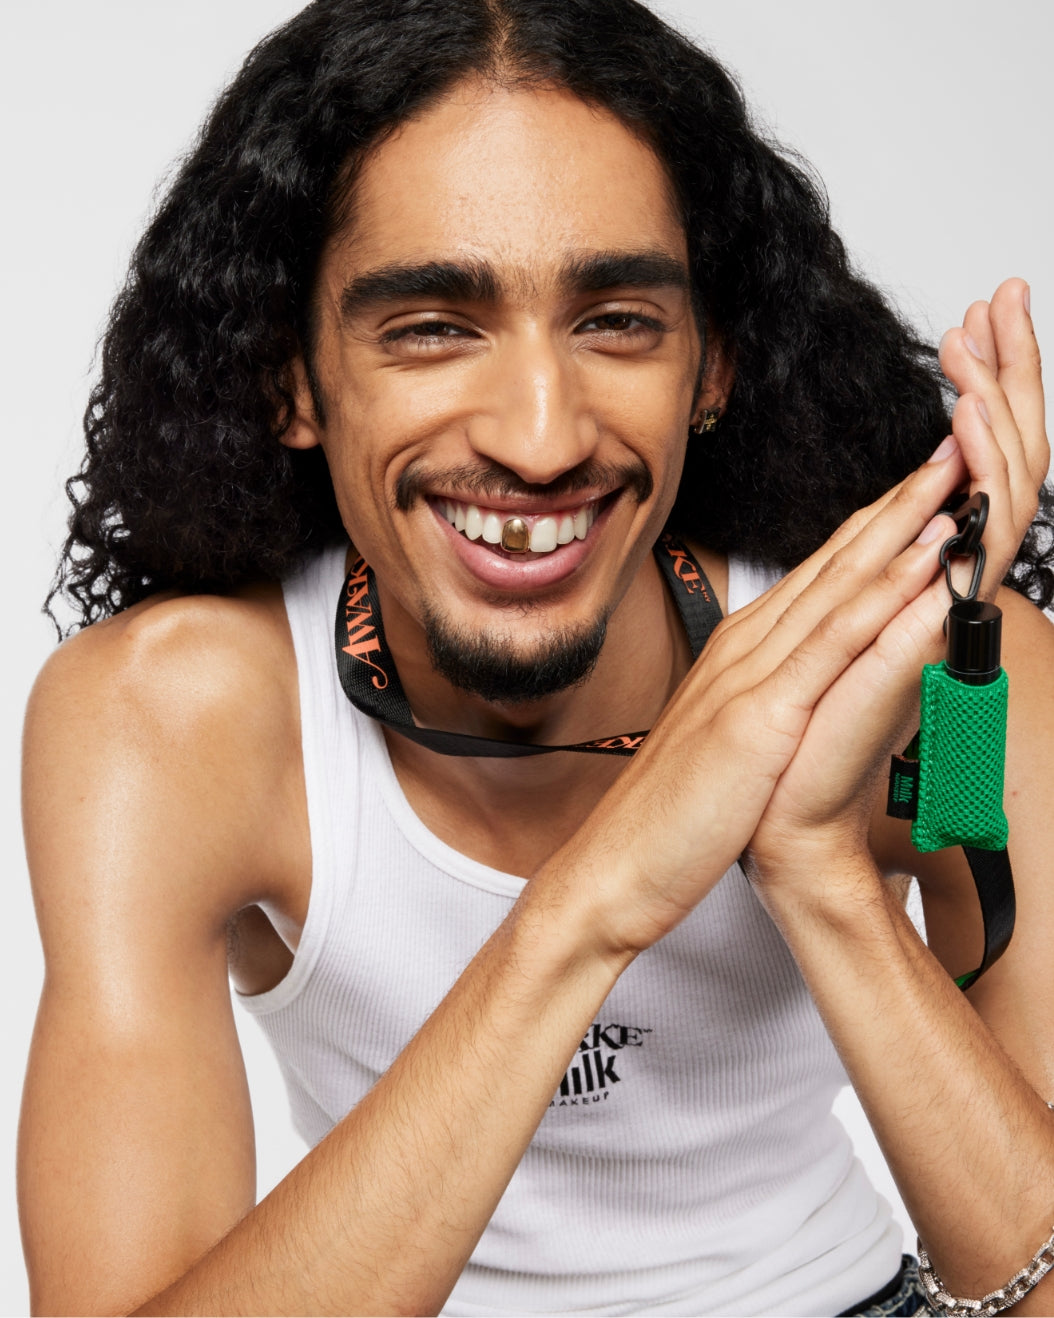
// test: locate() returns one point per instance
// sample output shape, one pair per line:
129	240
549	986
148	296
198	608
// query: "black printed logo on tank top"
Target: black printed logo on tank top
598	1065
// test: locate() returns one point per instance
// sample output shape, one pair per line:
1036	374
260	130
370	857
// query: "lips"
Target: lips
520	575
548	531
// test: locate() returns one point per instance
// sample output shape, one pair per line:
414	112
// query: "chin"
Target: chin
493	666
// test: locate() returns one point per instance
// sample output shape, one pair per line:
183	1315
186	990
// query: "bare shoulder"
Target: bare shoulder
206	644
1028	657
1028	636
1016	997
171	729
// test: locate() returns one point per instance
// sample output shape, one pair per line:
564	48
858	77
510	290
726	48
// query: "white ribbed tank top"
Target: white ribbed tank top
689	1164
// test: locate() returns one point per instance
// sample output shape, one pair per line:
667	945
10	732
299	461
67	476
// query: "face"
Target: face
504	330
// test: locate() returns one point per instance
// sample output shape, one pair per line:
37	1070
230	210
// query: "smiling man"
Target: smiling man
440	421
514	360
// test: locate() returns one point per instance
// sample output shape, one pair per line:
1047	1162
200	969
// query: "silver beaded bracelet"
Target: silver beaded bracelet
994	1302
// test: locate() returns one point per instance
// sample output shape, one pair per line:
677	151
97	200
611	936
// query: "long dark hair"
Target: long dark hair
185	483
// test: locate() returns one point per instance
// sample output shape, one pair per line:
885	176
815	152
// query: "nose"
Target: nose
535	418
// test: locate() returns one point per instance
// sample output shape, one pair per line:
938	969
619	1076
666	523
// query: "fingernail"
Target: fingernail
931	531
945	451
984	412
973	347
1026	297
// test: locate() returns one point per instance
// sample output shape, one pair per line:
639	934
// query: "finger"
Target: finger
830	623
978	327
1010	512
860	549
876	697
900	614
944	470
778	707
1020	370
970	375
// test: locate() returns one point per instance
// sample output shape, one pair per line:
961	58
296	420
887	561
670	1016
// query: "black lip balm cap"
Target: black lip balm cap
975	631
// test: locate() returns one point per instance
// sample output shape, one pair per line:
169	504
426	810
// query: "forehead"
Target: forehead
517	177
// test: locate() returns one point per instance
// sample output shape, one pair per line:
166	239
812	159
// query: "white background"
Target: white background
930	123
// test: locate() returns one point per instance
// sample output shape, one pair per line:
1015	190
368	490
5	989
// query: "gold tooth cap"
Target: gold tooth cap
516	536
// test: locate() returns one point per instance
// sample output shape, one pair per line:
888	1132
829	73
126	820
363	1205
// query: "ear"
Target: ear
717	377
304	430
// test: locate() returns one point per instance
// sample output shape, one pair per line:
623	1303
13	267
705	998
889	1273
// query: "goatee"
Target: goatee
487	665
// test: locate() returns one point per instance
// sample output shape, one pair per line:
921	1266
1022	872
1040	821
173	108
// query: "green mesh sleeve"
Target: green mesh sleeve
962	752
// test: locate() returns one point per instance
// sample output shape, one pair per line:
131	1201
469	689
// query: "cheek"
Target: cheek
376	429
364	429
648	396
652	417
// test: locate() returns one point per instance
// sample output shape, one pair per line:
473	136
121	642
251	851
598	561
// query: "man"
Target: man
524	277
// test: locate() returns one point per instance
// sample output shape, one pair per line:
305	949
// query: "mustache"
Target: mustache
491	478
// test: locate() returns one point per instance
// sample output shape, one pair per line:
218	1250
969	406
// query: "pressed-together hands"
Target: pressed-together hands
773	744
999	444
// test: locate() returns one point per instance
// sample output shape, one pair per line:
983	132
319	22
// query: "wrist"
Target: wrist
560	926
820	889
824	864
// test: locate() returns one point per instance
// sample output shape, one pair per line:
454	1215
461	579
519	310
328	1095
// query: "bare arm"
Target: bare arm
954	1085
152	817
136	1143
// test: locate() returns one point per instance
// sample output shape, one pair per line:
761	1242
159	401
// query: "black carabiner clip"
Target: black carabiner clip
970	519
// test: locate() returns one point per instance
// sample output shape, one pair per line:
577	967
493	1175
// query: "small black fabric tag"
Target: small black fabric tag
903	799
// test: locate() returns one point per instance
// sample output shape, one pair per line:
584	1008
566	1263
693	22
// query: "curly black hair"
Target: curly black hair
186	484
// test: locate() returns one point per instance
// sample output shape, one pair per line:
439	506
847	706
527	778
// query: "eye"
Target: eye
430	336
425	332
623	328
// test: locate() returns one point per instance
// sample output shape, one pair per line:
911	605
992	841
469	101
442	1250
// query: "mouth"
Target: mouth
516	533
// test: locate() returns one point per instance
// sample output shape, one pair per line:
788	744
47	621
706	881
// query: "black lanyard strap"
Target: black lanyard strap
371	681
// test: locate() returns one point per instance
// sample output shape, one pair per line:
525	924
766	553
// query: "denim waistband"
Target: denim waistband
901	1298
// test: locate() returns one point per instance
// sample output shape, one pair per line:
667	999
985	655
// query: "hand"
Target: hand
822	805
778	735
994	363
690	801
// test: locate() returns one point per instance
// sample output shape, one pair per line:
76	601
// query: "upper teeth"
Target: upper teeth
546	532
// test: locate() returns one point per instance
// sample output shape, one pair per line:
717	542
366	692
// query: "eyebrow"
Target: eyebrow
476	280
455	281
594	271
